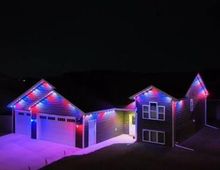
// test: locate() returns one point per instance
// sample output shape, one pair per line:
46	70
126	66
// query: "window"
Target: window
43	117
191	105
161	137
153	111
161	112
20	113
51	118
145	135
70	120
61	119
153	136
145	111
133	120
28	114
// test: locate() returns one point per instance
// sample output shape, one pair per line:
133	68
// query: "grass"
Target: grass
140	156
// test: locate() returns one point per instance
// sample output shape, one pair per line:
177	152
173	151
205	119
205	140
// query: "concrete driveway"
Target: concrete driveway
207	140
19	152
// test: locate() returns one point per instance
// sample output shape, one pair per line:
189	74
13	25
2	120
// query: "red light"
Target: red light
79	129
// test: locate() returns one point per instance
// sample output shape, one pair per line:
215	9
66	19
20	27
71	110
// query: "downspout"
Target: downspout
83	136
173	119
205	111
136	125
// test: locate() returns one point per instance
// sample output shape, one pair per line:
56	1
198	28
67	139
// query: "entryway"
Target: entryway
132	124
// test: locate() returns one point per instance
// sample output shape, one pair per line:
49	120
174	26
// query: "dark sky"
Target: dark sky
50	38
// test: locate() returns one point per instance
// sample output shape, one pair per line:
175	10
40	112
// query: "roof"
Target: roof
32	95
148	89
93	90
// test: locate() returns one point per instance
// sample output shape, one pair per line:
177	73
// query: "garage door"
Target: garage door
23	123
56	129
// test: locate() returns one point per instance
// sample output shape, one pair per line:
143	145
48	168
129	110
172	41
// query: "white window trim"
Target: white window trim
149	141
143	111
161	113
157	112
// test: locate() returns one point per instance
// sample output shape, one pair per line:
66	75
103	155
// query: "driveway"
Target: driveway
19	152
207	140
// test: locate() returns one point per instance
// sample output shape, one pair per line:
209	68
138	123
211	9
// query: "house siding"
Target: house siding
58	105
184	120
109	125
213	110
166	126
187	122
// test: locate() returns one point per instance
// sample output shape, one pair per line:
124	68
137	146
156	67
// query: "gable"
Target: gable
151	91
56	104
197	88
32	95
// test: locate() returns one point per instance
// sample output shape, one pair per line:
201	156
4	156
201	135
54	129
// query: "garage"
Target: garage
23	123
59	129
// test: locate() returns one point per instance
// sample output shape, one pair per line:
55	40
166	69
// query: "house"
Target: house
87	117
164	119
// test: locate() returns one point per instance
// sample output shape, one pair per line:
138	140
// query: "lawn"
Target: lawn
150	157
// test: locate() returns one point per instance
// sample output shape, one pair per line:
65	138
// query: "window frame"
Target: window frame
157	112
164	111
153	111
144	112
149	136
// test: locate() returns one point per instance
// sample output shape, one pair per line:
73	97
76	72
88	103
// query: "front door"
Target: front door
92	132
132	124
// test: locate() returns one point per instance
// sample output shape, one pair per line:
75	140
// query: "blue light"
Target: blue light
33	120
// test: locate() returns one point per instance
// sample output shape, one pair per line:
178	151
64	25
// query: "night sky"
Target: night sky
51	38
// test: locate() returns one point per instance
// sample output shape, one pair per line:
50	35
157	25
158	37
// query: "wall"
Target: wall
5	123
108	125
213	112
188	123
155	95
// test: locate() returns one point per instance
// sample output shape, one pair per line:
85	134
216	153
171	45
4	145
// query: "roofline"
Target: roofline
114	108
28	92
42	98
48	94
147	89
202	83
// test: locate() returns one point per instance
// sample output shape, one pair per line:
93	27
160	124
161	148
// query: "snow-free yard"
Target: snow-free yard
19	152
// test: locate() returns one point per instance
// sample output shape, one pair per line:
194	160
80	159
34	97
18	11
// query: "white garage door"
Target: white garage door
23	123
56	129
